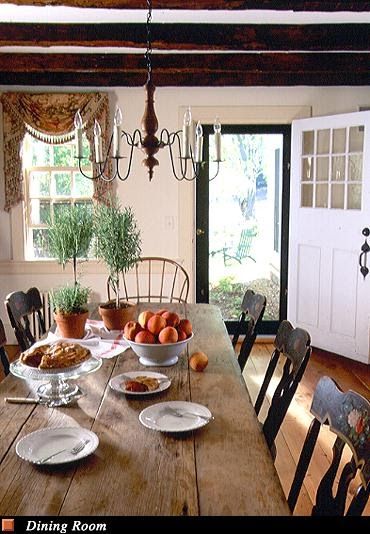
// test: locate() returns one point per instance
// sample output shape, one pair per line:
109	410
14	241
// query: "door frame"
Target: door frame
202	220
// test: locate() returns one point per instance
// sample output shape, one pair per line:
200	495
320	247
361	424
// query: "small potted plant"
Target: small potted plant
69	240
118	244
70	310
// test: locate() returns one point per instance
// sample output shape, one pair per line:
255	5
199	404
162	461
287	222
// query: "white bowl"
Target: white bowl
159	354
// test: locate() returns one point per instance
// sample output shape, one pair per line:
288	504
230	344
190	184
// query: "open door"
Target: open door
328	293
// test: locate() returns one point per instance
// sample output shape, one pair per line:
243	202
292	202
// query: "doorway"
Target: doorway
242	221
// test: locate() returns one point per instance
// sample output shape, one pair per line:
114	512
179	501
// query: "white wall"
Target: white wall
164	207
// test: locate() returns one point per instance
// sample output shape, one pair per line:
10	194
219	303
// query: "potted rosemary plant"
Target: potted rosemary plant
69	239
118	244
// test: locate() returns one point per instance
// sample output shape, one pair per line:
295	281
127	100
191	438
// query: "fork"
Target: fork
75	450
183	413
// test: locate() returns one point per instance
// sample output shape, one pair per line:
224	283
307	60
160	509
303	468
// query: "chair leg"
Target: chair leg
4	360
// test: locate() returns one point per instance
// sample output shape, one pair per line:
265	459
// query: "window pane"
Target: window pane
307	169
39	240
62	183
355	168
40	153
39	184
322	171
339	140
83	186
58	207
39	211
308	142
322	195
323	138
337	196
62	155
356	139
307	196
354	196
337	168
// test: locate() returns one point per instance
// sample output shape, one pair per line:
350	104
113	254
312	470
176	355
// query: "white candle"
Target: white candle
199	143
217	131
98	143
186	134
117	133
78	133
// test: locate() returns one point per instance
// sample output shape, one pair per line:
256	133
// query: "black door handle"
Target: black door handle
365	248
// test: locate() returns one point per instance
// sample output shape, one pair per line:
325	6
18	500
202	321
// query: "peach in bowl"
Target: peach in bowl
158	354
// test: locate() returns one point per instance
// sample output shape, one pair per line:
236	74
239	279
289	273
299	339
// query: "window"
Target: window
51	183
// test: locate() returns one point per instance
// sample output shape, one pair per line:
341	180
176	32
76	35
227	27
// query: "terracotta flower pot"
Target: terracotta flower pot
116	318
71	325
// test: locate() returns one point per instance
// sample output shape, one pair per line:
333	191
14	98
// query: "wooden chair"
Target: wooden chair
348	416
293	344
154	279
3	355
253	308
25	311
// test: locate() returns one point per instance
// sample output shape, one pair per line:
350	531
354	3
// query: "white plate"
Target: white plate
193	416
46	441
117	381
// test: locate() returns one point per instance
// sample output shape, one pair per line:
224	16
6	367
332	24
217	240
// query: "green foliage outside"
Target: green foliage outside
117	240
228	294
70	299
70	234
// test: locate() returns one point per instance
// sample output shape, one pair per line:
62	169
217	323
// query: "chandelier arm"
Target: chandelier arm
178	178
98	176
217	171
132	143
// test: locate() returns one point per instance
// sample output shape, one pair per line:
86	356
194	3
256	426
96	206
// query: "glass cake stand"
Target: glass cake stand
58	390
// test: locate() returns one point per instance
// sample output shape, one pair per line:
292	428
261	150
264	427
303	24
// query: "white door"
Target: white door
329	208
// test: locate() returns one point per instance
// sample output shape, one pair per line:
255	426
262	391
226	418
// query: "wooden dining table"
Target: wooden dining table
223	468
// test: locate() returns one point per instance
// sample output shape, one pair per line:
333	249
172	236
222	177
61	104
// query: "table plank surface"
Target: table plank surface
224	468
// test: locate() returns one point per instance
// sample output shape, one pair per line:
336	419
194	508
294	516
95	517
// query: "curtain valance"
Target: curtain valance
49	117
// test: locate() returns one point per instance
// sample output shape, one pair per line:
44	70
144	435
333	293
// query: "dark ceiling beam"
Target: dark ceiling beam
309	37
293	5
109	70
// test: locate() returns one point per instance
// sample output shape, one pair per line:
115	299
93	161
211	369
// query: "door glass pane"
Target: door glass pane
354	196
245	223
322	171
308	145
337	168
355	167
307	196
307	169
337	196
356	139
339	140
323	138
322	195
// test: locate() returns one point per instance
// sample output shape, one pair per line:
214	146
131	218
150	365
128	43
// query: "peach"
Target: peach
144	317
145	337
198	361
131	329
186	326
156	324
168	335
182	335
161	312
172	318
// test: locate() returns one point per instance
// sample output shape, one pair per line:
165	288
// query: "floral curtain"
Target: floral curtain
49	117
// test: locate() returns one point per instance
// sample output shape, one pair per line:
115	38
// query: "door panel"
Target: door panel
329	207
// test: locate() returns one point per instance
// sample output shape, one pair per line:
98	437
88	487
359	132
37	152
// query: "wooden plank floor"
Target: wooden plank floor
348	375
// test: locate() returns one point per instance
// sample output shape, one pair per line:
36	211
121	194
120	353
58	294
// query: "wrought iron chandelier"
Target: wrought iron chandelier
190	159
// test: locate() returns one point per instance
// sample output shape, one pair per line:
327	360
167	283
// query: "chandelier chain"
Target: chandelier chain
148	53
